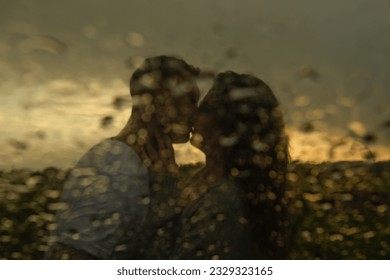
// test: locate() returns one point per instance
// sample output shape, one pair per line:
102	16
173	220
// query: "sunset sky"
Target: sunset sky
63	63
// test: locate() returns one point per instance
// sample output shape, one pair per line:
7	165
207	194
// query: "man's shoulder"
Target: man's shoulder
112	156
110	147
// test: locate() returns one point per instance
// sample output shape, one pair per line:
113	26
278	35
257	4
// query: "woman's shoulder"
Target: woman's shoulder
226	191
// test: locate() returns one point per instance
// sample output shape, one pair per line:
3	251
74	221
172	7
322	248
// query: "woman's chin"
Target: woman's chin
196	143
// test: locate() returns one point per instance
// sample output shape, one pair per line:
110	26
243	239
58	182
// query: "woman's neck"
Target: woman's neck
215	168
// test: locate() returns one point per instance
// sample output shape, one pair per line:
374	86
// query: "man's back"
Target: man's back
105	202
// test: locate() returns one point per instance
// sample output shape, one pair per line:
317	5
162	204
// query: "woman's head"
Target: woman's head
241	125
241	116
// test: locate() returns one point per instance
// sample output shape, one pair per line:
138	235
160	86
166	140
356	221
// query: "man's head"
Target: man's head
165	95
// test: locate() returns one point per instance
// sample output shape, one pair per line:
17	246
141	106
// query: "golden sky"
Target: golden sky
63	63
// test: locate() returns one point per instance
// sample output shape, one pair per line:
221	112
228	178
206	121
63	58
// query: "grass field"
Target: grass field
338	210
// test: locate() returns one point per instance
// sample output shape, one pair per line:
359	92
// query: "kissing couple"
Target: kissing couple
126	199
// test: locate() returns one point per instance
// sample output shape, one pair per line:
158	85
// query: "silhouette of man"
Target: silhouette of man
123	189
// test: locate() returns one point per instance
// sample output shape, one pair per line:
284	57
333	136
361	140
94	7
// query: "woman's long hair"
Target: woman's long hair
256	155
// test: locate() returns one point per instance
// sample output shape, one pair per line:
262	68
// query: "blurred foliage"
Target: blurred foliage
340	210
28	202
337	210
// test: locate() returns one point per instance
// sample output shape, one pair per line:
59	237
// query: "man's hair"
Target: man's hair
150	75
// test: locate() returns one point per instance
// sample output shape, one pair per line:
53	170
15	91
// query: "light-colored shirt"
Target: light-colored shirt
106	200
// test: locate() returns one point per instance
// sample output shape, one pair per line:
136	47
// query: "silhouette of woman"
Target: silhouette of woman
235	205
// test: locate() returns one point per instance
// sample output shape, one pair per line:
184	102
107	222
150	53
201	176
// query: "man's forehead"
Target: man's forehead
181	81
182	75
181	88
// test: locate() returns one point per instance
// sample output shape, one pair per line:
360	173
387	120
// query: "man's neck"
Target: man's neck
155	151
130	133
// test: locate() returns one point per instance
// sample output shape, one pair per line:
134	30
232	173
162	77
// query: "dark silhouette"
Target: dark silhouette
118	192
236	208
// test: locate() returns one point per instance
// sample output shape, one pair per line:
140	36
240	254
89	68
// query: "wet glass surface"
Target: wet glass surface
64	86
